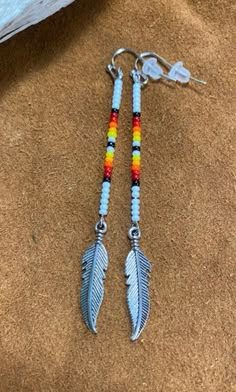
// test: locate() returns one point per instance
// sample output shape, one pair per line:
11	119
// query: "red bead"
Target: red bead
114	117
135	174
136	122
107	172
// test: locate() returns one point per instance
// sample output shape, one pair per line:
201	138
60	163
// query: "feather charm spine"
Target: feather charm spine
137	269
137	266
94	266
95	259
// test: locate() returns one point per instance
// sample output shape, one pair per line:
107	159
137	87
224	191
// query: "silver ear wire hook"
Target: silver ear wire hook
166	64
119	51
116	72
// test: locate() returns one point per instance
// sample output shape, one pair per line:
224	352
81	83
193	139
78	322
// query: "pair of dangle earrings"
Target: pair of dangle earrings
95	259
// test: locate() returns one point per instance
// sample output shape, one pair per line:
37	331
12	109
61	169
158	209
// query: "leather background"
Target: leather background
55	99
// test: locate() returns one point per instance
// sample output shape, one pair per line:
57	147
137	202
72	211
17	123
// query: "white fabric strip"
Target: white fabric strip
17	15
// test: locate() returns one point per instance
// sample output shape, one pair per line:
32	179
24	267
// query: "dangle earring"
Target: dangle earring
137	266
95	259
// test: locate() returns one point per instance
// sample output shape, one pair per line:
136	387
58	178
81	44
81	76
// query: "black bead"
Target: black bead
135	183
113	110
136	148
136	114
111	144
106	179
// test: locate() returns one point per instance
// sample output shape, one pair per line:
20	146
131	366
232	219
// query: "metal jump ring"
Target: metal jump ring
101	226
134	232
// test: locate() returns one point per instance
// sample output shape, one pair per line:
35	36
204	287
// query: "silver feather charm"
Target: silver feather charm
94	266
137	269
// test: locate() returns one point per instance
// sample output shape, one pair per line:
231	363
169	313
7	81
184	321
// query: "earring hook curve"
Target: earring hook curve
114	71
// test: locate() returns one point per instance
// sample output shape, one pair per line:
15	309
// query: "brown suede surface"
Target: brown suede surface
54	109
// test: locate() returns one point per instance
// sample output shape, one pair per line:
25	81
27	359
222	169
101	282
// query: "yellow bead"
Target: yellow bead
109	154
136	137
112	132
112	129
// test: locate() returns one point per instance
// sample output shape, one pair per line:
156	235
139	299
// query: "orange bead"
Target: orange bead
136	129
108	165
135	167
108	162
112	124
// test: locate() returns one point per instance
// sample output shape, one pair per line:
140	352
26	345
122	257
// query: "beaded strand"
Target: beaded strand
136	157
111	143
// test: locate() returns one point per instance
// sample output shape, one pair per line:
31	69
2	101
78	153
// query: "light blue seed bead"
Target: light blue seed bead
110	149
135	188
103	203
135	202
137	153
103	207
103	211
104	198
115	105
137	107
106	185
134	212
105	193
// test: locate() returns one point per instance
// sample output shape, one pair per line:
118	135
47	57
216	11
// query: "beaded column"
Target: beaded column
111	143
136	157
95	258
137	266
